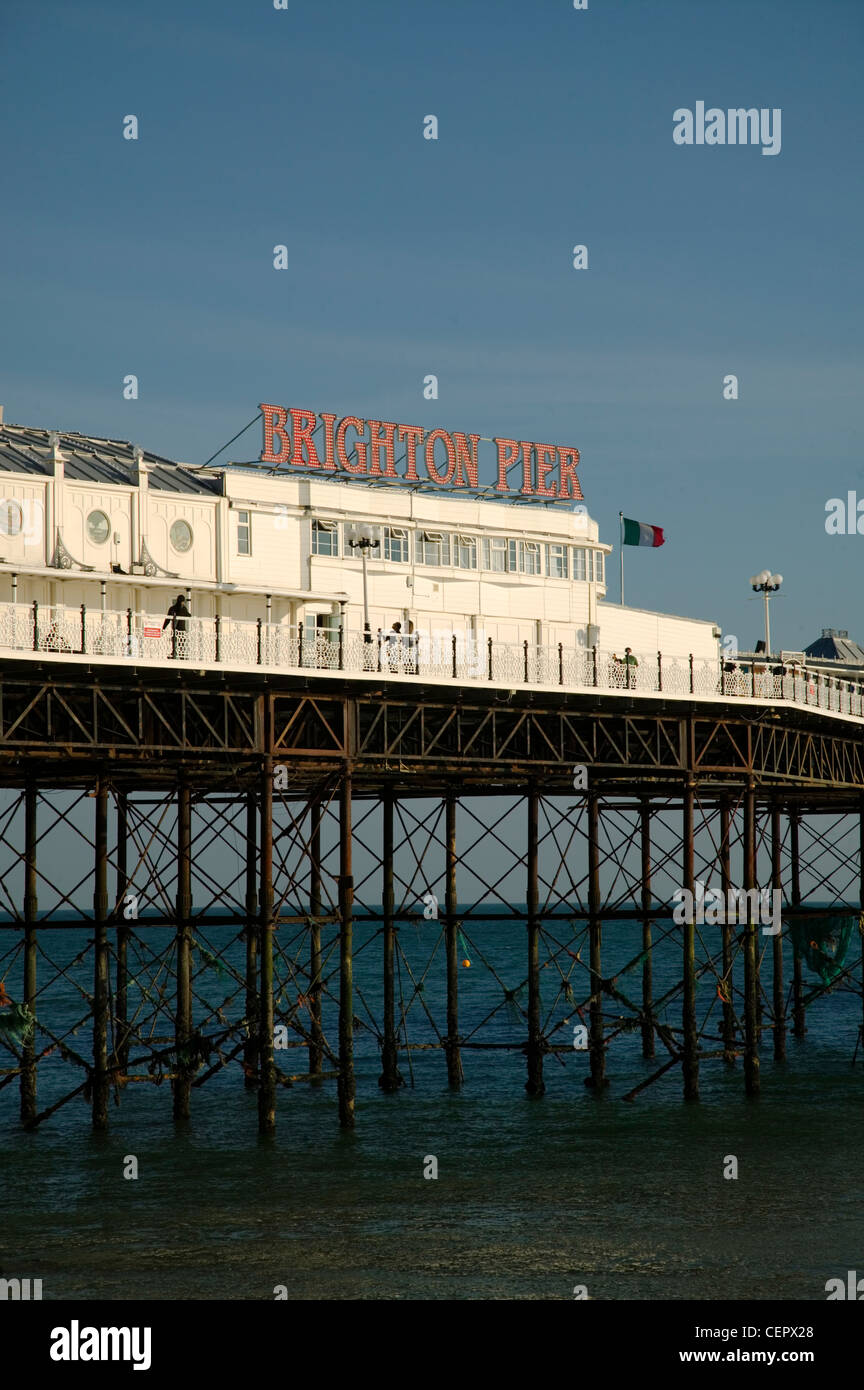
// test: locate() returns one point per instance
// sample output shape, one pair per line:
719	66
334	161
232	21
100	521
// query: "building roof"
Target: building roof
836	646
89	458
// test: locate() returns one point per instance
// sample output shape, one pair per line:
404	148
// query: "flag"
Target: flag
640	533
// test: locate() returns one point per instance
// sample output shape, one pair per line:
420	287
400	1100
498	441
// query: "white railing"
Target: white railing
207	641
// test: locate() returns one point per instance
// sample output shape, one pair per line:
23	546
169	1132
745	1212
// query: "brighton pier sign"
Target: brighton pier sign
367	449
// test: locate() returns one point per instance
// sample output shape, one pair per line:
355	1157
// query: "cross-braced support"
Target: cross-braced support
249	897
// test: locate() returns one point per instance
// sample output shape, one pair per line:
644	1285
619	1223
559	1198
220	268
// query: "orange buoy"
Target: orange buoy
466	962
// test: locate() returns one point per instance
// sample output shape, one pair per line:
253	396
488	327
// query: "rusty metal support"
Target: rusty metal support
727	934
266	1062
451	928
779	1000
28	1051
389	1079
751	1034
316	1034
100	961
799	1022
183	1019
690	1059
596	1043
346	960
861	898
647	961
535	1085
252	933
121	1003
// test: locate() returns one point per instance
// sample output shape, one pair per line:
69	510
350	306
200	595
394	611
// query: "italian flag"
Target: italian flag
640	533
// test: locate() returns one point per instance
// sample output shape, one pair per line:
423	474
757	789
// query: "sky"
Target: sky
304	127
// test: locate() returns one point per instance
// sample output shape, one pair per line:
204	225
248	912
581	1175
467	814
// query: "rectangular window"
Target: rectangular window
325	538
464	552
590	557
512	554
244	533
317	625
495	554
433	548
578	564
396	544
557	563
529	557
598	567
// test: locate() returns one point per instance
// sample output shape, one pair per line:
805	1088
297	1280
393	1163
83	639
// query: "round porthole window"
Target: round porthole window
11	518
98	528
181	536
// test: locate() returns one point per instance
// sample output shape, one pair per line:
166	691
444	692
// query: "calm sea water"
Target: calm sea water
532	1196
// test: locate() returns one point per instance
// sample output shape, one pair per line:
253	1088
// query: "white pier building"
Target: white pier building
93	522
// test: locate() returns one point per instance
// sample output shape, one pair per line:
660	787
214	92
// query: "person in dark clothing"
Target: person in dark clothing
178	614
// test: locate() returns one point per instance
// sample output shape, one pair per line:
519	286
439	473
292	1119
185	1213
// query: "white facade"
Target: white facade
275	547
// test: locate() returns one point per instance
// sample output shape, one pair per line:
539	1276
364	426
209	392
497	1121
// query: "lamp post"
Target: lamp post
364	544
766	584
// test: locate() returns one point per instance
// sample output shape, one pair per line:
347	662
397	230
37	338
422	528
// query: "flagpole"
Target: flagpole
621	548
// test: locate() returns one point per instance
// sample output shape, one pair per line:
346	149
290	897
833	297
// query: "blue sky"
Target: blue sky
453	257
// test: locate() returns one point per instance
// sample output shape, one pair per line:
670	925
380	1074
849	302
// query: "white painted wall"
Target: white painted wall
506	606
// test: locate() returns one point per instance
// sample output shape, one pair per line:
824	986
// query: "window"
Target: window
495	553
464	552
433	548
11	518
512	553
557	564
180	534
529	557
325	538
99	528
589	555
320	625
396	544
578	564
244	533
598	567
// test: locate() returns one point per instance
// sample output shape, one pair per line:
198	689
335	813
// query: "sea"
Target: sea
579	1193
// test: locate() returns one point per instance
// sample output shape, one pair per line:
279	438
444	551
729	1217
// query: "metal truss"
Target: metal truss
271	879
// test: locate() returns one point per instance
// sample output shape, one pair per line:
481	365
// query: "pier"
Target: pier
619	785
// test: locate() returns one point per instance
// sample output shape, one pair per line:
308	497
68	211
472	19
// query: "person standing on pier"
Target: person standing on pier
178	615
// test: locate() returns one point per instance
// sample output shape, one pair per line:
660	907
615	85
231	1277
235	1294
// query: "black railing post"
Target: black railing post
258	635
691	673
218	625
299	644
83	628
489	657
35	626
560	663
525	644
659	671
129	630
341	648
753	679
595	665
454	655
